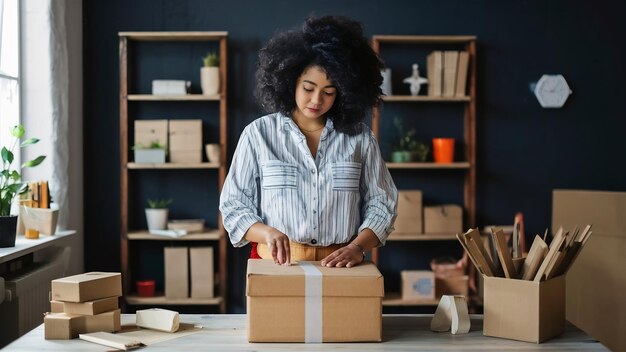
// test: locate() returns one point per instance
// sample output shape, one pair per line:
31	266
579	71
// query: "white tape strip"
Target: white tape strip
312	303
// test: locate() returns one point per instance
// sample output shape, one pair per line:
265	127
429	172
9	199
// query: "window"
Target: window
9	70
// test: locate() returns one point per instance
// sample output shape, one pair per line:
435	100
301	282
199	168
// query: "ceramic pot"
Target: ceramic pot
210	80
8	227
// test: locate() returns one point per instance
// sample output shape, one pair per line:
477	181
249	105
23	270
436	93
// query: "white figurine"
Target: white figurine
415	80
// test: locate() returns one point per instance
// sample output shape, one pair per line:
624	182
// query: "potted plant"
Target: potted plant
153	153
10	185
210	74
157	213
407	148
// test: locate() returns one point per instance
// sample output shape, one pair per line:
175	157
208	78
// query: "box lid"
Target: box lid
268	279
91	276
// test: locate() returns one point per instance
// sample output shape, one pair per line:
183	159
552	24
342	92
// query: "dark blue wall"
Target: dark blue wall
524	151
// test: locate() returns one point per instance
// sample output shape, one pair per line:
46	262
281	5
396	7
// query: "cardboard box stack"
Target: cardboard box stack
316	304
83	303
529	304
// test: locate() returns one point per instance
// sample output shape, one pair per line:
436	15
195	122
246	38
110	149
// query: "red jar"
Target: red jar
145	288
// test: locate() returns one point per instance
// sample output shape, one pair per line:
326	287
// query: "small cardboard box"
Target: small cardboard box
149	131
524	310
91	307
64	326
176	272
185	141
409	218
201	262
87	287
443	219
310	303
418	284
451	285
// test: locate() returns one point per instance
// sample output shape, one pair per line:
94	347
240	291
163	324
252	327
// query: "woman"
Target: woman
307	182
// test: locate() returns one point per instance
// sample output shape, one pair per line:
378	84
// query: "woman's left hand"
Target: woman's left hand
347	256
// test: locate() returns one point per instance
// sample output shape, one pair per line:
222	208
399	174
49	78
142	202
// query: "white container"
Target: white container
386	86
157	219
150	156
210	80
212	153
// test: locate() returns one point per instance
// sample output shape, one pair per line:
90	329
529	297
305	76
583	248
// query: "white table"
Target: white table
227	332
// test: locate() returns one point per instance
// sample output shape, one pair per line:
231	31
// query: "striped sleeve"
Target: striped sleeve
238	200
379	194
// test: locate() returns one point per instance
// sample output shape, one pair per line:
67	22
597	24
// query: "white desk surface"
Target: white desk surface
227	332
25	246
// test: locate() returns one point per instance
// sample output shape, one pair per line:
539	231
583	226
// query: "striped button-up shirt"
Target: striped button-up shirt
274	179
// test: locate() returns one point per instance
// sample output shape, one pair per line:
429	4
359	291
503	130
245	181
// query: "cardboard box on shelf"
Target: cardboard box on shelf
443	219
451	285
176	272
91	307
418	284
524	310
185	141
150	131
64	326
87	287
409	218
316	304
599	265
201	262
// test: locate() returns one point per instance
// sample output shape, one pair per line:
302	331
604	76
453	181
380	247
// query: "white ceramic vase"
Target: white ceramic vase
157	218
210	80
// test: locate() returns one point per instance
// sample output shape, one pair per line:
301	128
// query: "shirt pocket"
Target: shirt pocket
346	176
277	175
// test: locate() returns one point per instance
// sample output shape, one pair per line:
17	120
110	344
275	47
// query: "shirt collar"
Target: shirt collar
289	125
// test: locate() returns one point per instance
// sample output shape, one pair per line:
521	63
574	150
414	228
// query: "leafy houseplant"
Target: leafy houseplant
407	148
11	185
210	74
153	153
157	213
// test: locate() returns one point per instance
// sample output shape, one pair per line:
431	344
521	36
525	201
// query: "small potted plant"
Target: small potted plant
153	153
210	74
407	148
157	213
11	185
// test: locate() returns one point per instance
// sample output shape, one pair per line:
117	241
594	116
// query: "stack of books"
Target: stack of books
447	73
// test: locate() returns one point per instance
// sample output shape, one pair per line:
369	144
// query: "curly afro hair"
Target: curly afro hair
335	44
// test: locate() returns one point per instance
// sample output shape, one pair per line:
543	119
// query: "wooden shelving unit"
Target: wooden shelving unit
466	166
213	237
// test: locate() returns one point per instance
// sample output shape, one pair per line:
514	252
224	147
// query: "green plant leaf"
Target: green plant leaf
7	156
29	141
15	175
17	131
34	162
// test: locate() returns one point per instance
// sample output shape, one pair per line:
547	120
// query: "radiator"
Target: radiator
27	295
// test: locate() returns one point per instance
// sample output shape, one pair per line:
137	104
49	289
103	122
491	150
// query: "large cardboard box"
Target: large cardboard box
185	141
596	282
409	219
201	262
176	272
91	307
443	219
149	131
310	303
524	310
87	287
418	284
64	326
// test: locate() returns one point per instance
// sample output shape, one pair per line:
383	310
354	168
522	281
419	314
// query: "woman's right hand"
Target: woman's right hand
278	244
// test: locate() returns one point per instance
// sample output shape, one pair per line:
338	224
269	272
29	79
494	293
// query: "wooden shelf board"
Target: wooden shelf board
179	36
207	235
424	98
138	166
424	39
186	97
422	237
162	301
395	299
429	165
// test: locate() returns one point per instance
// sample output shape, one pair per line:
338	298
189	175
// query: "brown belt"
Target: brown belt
301	252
